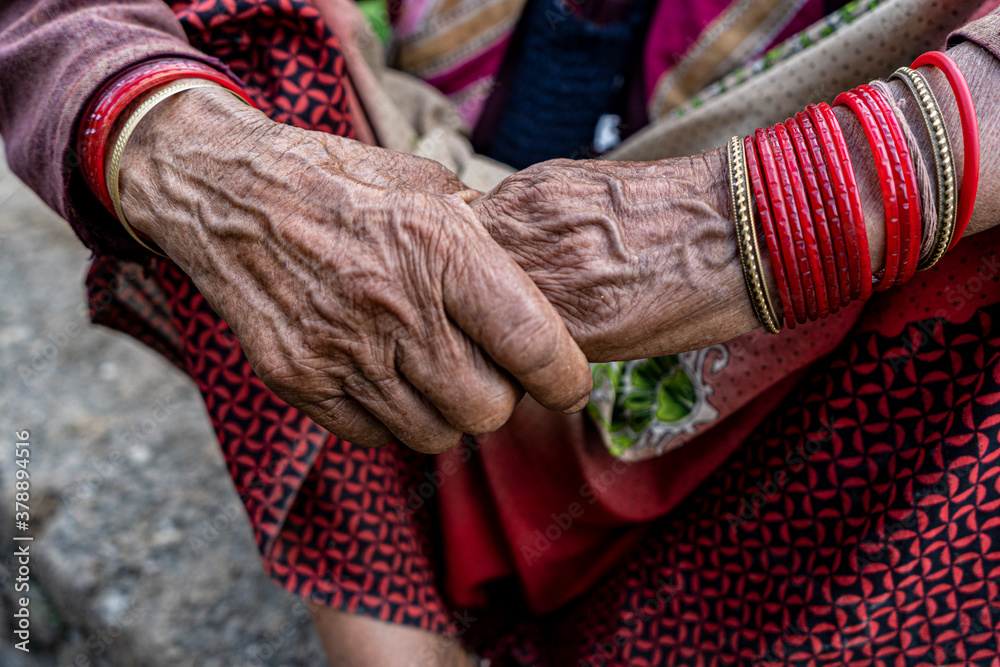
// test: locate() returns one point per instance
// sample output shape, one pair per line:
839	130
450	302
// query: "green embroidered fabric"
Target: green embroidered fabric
377	14
650	402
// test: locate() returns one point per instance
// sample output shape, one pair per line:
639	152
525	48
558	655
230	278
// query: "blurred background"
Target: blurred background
141	552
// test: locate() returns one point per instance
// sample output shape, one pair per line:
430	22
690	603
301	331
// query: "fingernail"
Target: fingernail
579	406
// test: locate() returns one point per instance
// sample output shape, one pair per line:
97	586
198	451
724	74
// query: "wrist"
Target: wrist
168	160
714	268
116	97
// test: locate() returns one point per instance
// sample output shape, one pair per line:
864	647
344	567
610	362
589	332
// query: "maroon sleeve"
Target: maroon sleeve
54	55
985	31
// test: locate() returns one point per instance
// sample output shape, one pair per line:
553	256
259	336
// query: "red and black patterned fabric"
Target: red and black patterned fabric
284	52
860	524
857	525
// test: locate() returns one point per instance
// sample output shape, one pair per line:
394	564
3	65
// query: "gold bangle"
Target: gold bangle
126	132
746	237
944	162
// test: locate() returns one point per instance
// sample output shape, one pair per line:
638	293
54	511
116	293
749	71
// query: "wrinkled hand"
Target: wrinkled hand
639	258
361	286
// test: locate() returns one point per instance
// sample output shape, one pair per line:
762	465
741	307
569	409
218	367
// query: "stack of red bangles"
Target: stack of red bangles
800	176
120	105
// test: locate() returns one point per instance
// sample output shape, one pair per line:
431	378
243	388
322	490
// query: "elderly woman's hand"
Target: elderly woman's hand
359	282
640	259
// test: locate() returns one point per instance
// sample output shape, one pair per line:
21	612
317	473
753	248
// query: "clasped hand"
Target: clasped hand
368	293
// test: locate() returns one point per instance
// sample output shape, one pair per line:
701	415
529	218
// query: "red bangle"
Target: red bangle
767	222
889	196
787	223
848	197
970	136
906	182
116	95
802	252
782	226
816	204
828	216
802	214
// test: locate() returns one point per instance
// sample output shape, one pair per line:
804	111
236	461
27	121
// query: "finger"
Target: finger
411	418
349	420
493	301
467	388
286	376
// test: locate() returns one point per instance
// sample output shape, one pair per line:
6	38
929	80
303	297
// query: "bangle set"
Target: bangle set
800	176
110	105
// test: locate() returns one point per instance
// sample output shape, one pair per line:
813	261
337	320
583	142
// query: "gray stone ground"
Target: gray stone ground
141	554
